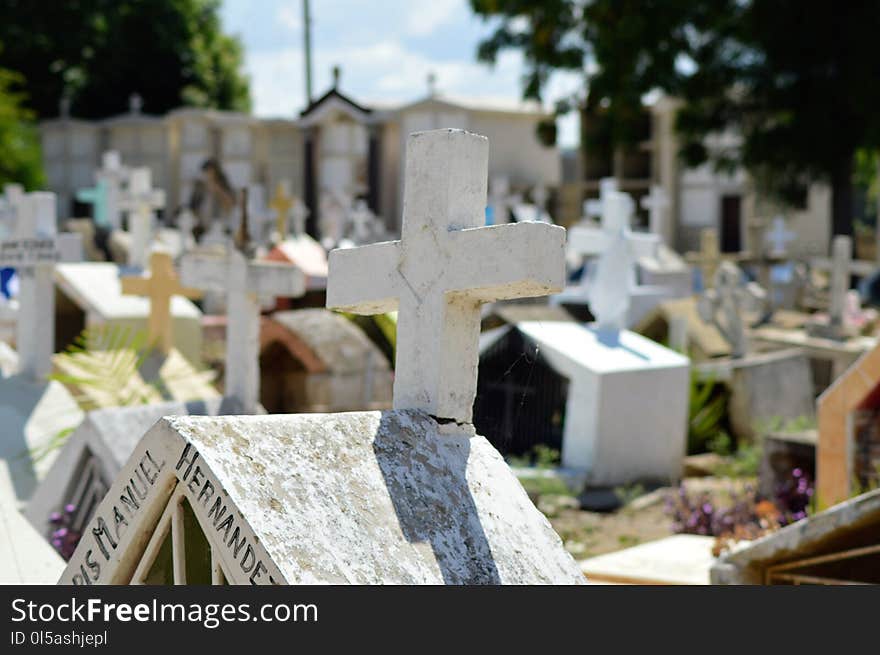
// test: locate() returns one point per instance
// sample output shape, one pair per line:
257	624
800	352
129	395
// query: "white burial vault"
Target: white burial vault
410	495
626	413
94	453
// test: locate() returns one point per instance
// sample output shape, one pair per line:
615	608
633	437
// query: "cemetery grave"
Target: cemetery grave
480	527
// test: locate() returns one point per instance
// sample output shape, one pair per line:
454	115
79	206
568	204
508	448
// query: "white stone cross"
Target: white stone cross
113	174
33	253
595	208
724	304
141	200
779	237
656	203
362	221
619	248
446	264
246	285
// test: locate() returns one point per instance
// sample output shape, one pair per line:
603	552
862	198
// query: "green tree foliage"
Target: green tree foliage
796	80
18	139
99	52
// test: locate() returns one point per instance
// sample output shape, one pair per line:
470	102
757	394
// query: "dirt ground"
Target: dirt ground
587	534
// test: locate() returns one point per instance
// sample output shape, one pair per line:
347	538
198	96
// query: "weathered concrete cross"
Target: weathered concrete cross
159	287
140	201
246	284
444	267
841	258
33	253
724	304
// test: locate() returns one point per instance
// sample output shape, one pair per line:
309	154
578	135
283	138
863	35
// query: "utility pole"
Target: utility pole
307	36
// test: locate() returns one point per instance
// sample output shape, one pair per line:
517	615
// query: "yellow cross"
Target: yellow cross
709	256
281	203
159	287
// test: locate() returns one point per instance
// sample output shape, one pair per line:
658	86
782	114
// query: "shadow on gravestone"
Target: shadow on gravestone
423	519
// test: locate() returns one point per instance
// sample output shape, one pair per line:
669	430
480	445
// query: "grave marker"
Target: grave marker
33	254
159	287
442	269
246	285
656	202
730	296
141	200
708	257
778	238
281	204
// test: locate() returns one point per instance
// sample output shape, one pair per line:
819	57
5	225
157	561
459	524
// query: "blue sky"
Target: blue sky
386	48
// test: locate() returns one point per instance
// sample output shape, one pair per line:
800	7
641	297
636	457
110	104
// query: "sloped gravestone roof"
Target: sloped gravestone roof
110	436
361	497
837	546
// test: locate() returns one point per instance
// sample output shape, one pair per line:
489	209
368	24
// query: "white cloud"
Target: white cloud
391	70
291	17
424	18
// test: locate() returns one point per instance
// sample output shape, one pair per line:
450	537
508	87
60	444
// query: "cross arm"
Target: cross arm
135	286
273	279
204	272
516	260
364	280
587	240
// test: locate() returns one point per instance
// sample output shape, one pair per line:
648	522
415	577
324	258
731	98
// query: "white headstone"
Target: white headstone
141	200
33	254
246	284
446	264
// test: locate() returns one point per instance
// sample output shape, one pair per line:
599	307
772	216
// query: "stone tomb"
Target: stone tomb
313	360
259	500
848	450
94	453
91	295
626	413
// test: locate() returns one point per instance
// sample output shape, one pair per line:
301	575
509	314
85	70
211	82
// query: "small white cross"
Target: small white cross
246	285
499	190
610	288
446	264
140	201
33	253
656	203
362	220
779	237
113	174
595	208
